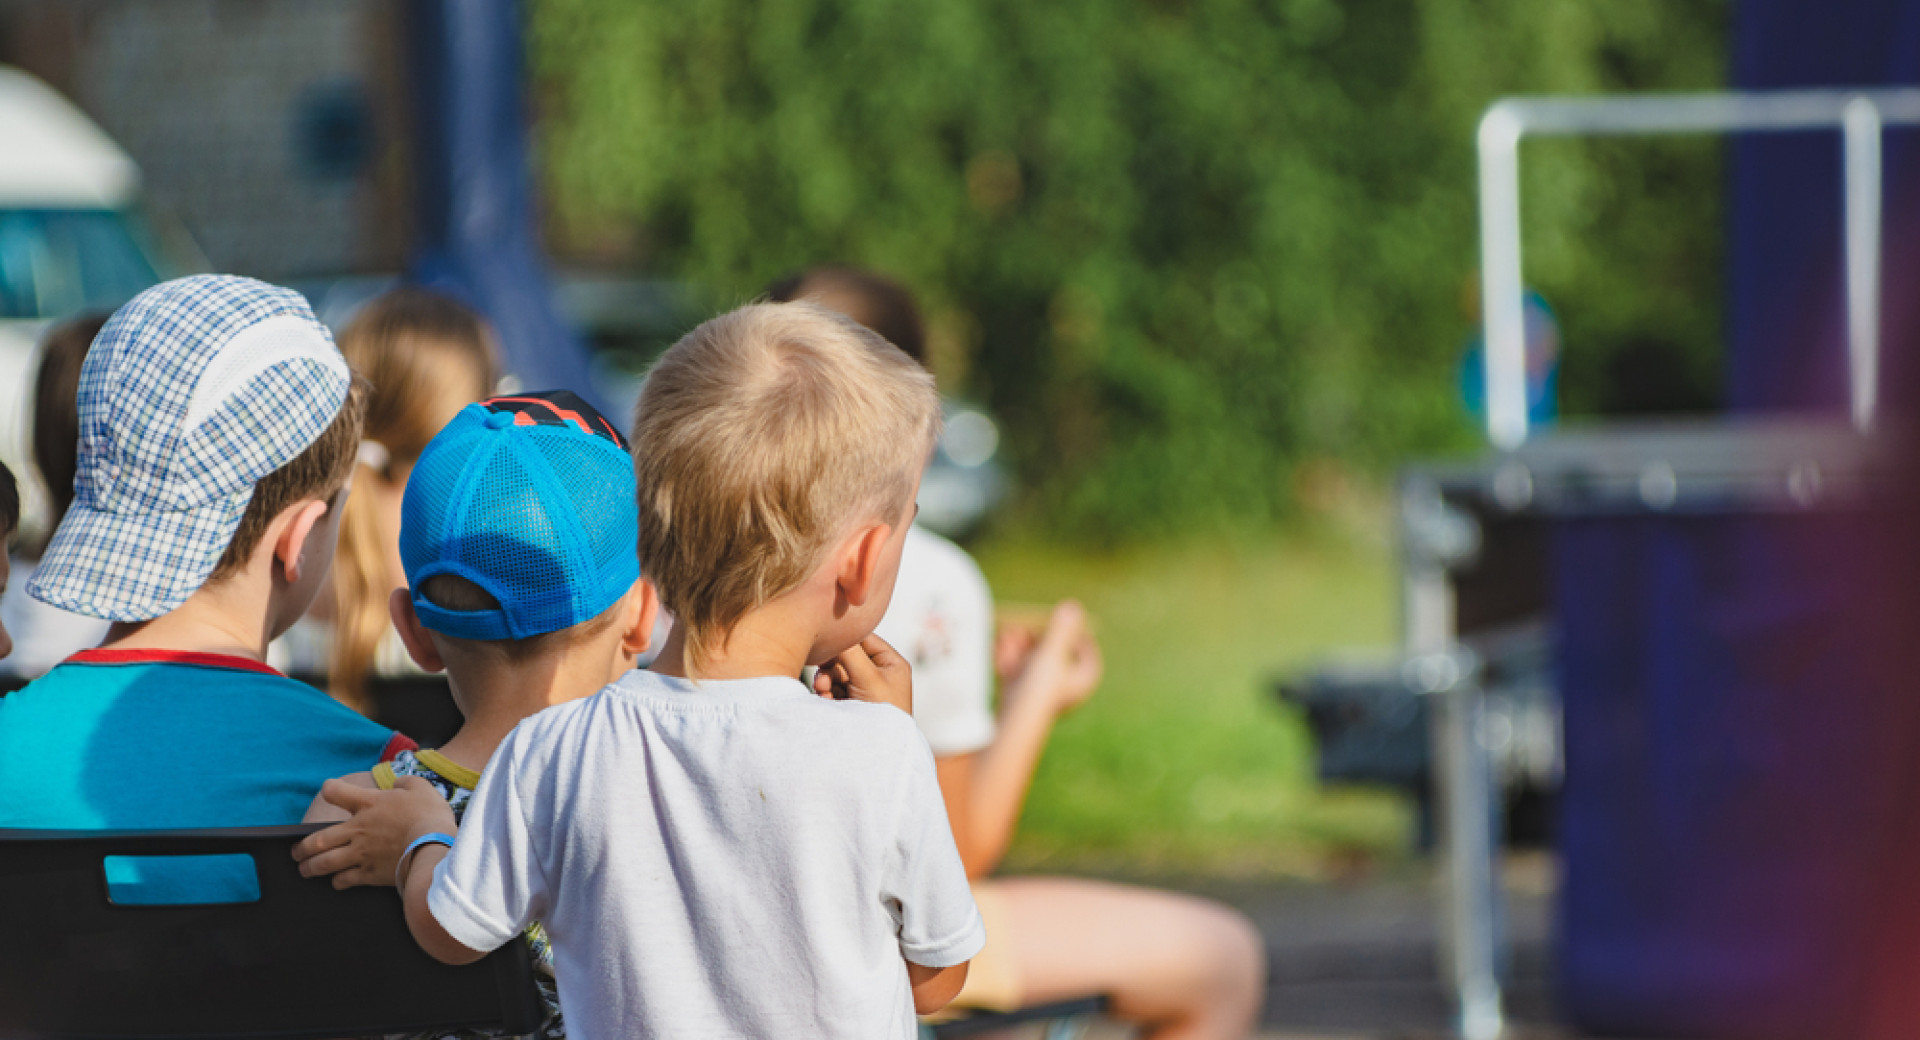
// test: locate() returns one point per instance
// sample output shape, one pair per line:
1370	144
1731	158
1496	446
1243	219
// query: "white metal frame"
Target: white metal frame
1859	116
1473	939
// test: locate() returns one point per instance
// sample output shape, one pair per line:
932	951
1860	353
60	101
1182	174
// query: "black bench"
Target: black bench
301	961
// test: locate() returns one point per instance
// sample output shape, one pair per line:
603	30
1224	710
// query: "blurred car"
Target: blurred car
74	237
626	322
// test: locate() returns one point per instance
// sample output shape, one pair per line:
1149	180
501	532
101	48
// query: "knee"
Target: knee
1242	960
1227	964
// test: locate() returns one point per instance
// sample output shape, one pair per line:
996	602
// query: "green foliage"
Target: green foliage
1179	246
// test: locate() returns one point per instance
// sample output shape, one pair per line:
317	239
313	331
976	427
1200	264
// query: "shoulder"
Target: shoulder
880	737
558	726
929	555
939	593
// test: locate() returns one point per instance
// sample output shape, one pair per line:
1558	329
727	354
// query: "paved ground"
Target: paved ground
1357	960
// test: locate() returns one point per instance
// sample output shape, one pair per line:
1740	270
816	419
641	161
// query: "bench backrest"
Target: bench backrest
301	961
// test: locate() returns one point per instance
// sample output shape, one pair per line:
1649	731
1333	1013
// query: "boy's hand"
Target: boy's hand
870	670
365	849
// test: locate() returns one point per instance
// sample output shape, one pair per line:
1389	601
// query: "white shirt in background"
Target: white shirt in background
941	621
722	859
43	635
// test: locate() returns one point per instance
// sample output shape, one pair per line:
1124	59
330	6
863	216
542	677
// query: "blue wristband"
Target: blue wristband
400	867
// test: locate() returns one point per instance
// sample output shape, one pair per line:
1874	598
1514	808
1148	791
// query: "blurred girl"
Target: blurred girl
427	356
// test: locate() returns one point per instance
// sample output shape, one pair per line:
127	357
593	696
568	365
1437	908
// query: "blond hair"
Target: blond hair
763	435
410	344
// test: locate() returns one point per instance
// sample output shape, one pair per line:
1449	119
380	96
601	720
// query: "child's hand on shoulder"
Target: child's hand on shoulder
365	848
869	670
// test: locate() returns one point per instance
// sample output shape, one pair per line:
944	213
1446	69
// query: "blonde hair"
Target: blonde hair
406	343
763	435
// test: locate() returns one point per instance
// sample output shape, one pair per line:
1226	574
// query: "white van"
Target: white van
72	239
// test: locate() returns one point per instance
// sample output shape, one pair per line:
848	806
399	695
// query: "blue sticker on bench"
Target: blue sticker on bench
181	880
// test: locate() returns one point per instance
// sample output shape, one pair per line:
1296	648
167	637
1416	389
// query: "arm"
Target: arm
1042	678
323	811
935	988
425	927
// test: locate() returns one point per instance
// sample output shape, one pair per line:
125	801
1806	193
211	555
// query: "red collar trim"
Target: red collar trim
144	655
400	742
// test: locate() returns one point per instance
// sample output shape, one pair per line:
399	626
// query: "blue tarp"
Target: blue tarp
1740	690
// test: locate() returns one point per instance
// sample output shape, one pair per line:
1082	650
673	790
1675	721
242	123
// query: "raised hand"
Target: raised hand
870	670
364	849
1060	665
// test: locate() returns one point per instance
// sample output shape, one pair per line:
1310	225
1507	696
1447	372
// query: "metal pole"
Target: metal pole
1860	136
1432	539
1504	354
1470	859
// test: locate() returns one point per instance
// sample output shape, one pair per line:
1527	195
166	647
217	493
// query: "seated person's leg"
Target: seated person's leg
1181	966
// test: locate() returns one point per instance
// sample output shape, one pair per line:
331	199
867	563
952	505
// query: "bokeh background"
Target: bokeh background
1210	265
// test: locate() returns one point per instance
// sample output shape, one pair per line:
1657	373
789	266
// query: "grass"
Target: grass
1184	762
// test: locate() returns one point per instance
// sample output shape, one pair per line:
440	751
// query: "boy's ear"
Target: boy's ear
289	546
413	634
860	562
643	609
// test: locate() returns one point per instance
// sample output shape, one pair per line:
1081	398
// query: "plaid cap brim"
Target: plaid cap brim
134	566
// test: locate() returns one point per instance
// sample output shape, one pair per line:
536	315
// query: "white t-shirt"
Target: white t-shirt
43	635
721	859
941	621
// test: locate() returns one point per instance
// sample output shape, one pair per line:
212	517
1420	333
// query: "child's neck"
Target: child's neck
763	643
233	616
497	696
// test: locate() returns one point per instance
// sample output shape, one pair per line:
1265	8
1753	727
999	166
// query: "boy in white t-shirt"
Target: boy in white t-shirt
714	848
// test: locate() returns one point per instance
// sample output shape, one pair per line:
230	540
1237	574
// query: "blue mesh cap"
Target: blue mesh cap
531	498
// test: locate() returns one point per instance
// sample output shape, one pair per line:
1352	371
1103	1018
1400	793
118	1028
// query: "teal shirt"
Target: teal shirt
146	739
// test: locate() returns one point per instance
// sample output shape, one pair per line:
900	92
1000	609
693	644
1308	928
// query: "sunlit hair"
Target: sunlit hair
763	436
412	345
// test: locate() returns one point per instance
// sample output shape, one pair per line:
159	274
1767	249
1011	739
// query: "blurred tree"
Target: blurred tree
1178	245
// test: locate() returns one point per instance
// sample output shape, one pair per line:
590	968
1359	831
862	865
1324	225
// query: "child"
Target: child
218	426
517	537
715	849
9	522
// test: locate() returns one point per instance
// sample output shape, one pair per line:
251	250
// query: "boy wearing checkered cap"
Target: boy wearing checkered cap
218	427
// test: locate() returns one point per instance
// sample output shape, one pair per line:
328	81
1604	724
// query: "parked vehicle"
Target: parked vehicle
74	237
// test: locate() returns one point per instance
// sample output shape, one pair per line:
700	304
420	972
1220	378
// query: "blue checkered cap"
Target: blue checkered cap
193	391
